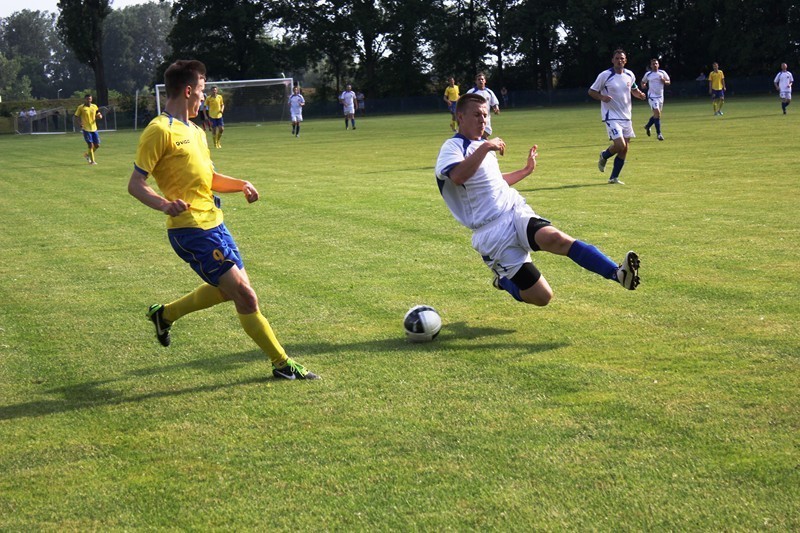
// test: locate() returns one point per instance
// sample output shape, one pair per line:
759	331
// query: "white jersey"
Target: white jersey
296	102
485	196
348	98
784	81
493	101
655	82
618	87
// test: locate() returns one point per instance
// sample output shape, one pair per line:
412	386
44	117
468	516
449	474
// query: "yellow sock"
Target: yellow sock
257	327
202	297
91	154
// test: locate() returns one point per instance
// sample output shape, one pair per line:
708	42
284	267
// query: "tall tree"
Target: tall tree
330	26
81	27
24	36
229	36
13	86
136	44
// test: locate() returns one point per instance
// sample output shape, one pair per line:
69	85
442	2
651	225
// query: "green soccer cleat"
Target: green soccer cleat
292	370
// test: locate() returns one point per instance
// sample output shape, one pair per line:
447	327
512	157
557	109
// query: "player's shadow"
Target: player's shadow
455	337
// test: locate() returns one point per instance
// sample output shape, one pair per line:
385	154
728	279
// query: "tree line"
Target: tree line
389	47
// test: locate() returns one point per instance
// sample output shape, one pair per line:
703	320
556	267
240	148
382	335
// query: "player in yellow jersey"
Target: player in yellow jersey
87	115
451	98
716	88
174	151
216	106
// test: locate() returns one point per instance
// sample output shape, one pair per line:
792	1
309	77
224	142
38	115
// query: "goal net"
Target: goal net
246	100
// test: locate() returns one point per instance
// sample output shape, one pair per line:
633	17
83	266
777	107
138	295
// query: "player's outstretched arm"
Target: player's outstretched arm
223	183
515	177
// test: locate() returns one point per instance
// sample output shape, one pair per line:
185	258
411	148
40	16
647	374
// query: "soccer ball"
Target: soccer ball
422	323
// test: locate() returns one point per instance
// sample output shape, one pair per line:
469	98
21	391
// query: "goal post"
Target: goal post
259	100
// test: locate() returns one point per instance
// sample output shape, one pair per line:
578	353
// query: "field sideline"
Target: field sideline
673	407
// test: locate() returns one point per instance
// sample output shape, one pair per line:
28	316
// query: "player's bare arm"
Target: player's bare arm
599	97
515	177
462	172
222	183
139	189
636	92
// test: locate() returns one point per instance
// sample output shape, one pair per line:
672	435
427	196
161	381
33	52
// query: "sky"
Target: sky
8	7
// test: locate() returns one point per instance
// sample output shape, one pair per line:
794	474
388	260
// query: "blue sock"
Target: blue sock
617	167
606	154
353	122
511	288
657	122
592	259
650	122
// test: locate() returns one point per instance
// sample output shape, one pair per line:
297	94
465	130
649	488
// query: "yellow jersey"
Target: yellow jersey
717	80
451	93
215	106
176	154
88	116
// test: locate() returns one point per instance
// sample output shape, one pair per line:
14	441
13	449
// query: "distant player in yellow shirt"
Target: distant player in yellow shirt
87	114
216	106
716	88
451	98
175	152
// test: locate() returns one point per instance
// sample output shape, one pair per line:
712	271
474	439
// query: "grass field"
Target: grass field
673	407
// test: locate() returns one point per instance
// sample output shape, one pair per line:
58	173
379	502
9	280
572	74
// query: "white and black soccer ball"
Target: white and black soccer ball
422	323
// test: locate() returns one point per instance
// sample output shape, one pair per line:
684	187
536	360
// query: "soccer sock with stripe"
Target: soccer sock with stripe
202	297
258	328
592	259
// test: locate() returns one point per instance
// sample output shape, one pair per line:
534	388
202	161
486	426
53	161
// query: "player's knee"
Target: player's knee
536	295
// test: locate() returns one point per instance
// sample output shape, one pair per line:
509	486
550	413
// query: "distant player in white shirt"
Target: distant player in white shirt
504	227
613	88
654	82
349	103
494	104
296	103
783	84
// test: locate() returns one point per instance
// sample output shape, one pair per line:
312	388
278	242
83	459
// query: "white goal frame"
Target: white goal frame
236	84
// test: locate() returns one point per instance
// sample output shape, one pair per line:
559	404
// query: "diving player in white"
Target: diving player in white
296	103
613	88
654	82
504	228
494	104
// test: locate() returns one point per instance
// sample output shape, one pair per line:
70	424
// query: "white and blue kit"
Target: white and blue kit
496	213
617	112
655	81
296	102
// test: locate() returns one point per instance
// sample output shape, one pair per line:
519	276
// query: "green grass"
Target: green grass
673	407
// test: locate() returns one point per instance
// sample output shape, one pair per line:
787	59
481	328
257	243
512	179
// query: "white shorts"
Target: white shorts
349	110
619	129
297	118
656	102
786	95
503	243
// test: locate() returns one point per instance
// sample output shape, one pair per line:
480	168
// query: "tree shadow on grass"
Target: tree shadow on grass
455	337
